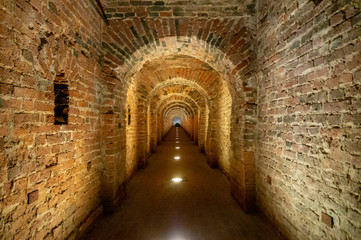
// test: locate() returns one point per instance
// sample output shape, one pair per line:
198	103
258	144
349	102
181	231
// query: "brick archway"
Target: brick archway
241	127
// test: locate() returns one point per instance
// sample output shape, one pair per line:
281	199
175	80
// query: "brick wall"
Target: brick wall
308	163
50	174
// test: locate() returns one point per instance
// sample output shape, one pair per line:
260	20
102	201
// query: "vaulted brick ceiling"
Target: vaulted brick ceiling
179	92
188	80
212	39
172	105
170	67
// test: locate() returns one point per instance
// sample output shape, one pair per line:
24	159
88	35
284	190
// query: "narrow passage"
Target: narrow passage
200	207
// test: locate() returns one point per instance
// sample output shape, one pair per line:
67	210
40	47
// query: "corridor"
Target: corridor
198	207
268	92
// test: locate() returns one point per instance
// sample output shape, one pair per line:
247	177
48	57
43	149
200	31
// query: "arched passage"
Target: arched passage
211	70
196	106
77	110
207	115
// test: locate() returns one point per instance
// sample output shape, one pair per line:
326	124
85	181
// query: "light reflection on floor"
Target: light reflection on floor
177	179
199	207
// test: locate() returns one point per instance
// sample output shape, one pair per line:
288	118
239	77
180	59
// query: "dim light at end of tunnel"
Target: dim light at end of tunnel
176	157
177	147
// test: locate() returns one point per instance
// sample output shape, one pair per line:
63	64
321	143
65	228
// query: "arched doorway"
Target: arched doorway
204	73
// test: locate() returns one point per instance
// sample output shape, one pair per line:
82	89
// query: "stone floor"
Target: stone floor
199	207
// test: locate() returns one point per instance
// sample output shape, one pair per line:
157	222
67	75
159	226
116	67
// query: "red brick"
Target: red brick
322	73
343	79
42	106
4	131
165	14
26	118
355	62
337	18
6	89
140	12
28	105
36	4
13	103
55	139
26	93
327	219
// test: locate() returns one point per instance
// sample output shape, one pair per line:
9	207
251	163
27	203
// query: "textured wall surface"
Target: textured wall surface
50	175
309	152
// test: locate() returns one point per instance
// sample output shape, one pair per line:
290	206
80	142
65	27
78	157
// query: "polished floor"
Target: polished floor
199	207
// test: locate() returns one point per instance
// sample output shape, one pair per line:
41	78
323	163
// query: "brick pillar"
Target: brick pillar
195	129
201	148
243	183
112	195
113	190
212	161
202	123
159	129
142	135
211	147
153	130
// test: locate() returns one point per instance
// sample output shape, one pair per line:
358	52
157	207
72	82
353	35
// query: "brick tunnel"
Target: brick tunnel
267	94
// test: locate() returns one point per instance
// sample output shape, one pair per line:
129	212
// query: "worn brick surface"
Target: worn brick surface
46	190
309	145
